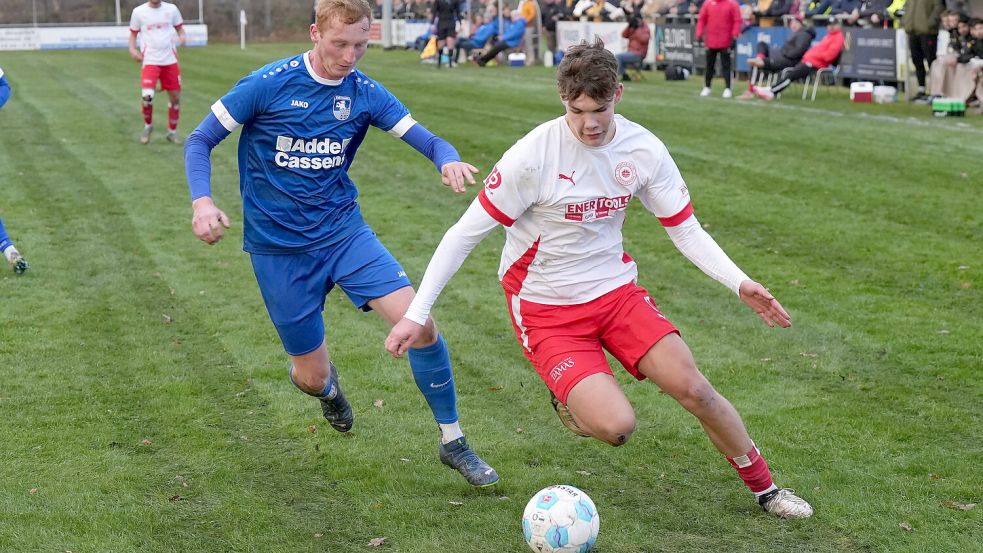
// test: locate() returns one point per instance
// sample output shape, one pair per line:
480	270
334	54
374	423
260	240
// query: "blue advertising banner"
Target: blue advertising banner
774	37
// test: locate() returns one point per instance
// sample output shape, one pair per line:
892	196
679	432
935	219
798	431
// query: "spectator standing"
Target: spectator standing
446	14
921	23
551	11
719	25
638	34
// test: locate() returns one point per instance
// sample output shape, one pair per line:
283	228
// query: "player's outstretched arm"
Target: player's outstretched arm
758	298
453	172
207	220
453	249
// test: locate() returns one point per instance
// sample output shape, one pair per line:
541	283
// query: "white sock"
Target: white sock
450	432
9	252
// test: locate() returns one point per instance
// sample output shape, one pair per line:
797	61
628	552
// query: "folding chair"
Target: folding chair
830	72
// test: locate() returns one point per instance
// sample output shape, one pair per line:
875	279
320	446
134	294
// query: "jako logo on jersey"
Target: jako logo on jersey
341	107
598	208
493	180
625	173
287	145
557	371
298	103
570	178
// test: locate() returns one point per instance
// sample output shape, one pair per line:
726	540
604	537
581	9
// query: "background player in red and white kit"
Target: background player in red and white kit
158	24
561	193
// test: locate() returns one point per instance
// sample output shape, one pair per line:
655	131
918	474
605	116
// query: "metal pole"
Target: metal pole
201	11
387	24
242	29
34	8
501	22
118	20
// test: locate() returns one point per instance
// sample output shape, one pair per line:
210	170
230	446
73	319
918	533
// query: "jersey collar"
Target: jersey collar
315	76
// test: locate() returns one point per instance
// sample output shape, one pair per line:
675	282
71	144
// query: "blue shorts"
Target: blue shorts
294	286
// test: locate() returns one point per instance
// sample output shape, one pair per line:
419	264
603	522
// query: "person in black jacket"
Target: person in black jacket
789	54
446	14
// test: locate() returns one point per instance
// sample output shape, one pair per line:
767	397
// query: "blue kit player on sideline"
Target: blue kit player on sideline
302	120
13	256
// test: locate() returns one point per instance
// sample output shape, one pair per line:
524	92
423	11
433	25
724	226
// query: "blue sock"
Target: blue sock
5	241
432	372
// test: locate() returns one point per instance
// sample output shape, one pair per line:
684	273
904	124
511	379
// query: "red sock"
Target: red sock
148	113
753	470
172	116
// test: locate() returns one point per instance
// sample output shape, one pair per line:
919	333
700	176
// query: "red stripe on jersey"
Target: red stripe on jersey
677	218
512	281
625	258
494	211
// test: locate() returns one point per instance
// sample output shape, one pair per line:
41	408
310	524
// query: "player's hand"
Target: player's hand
208	220
136	54
455	173
402	336
758	298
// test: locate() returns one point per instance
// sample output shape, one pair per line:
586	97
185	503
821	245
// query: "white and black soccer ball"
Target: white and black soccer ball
560	519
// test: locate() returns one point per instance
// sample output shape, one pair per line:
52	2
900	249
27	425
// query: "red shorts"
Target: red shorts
168	75
566	343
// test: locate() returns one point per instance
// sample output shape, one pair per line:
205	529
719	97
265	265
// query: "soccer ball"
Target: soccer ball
560	519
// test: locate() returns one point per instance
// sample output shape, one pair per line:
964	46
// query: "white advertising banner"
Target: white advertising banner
61	38
569	33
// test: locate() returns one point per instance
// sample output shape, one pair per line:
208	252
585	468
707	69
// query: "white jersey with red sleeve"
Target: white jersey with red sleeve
157	28
563	205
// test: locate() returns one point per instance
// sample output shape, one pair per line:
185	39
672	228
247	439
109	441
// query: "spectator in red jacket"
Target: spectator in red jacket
638	34
819	56
719	25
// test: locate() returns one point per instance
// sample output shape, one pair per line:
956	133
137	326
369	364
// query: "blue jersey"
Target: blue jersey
299	137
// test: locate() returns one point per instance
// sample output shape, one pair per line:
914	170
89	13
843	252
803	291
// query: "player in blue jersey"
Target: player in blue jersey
13	256
302	120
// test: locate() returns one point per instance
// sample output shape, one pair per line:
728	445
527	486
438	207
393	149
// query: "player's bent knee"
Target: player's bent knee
148	95
616	430
699	396
309	382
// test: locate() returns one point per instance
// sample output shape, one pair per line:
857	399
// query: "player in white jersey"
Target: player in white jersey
561	193
161	29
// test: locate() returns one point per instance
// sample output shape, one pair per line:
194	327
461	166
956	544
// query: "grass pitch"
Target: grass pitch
144	399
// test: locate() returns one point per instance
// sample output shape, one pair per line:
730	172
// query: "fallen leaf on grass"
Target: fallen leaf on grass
312	429
456	503
963	267
319	535
376	542
965	285
404	459
146	441
378	403
583	473
934	477
518	430
495	389
34	491
808	354
957	505
905	526
166	317
175	498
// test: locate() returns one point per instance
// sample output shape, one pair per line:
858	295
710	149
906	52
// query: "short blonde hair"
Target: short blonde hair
348	11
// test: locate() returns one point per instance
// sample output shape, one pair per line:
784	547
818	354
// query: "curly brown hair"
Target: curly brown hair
587	69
